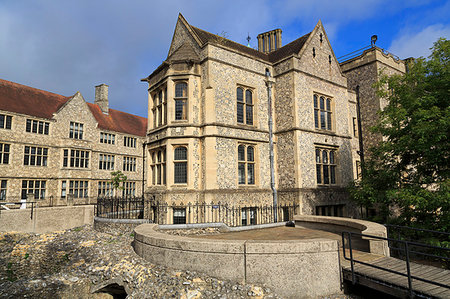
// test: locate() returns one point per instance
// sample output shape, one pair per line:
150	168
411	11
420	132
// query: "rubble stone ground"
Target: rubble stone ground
72	263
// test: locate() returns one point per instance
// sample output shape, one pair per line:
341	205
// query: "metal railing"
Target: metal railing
407	251
18	205
120	208
190	213
358	52
228	214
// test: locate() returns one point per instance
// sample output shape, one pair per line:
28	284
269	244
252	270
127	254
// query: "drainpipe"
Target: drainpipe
269	82
143	176
360	137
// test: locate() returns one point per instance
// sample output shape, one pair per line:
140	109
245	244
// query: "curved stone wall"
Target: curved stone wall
340	224
292	268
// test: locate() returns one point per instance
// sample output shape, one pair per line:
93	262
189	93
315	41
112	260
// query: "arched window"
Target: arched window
246	165
181	98
244	105
180	165
322	112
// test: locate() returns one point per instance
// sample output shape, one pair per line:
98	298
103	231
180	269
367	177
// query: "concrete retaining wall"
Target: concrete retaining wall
46	219
293	269
340	224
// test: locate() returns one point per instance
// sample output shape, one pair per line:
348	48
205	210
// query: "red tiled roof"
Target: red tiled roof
119	121
27	100
23	99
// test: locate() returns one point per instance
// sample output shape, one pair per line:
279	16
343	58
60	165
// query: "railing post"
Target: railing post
351	257
408	270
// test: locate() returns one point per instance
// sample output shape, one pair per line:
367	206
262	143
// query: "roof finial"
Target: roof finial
248	39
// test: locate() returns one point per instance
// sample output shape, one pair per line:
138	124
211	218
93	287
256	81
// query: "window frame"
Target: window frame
107	138
39	192
326	169
323	116
180	178
183	99
246	106
71	156
76	130
129	141
5	154
106	161
105	189
3	189
129	164
244	165
37	158
158	158
5	121
37	126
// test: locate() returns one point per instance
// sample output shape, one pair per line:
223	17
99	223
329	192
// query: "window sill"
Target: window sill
242	186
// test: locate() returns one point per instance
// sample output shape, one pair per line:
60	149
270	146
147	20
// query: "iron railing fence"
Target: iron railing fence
407	245
231	215
190	213
120	207
358	52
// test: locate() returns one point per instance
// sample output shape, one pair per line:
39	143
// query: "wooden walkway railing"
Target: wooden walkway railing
401	278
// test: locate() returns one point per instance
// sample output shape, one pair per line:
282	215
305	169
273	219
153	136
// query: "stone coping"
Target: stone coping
376	246
365	227
220	225
148	234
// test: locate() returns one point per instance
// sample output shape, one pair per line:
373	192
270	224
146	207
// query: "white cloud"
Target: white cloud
416	44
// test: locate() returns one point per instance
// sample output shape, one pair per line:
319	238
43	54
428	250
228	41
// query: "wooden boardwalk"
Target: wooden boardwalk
392	283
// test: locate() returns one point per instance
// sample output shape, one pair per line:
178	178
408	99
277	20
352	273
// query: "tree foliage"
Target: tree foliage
409	169
117	179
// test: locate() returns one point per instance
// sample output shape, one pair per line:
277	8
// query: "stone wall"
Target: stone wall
46	219
75	110
284	266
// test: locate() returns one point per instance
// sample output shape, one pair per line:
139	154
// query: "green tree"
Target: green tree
117	179
409	169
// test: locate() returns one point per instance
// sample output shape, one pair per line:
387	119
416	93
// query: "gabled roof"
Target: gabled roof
23	99
293	47
31	101
119	121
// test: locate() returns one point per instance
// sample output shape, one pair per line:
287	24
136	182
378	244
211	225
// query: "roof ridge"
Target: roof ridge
227	39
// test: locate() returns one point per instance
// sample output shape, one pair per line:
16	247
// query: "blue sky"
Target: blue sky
68	46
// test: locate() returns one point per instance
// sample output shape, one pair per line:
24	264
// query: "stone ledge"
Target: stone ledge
340	224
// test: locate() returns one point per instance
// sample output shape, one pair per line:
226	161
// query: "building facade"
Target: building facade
208	133
58	147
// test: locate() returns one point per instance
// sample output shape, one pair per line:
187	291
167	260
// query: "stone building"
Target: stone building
363	70
58	147
208	134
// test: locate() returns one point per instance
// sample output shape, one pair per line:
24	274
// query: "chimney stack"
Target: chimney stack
269	41
101	97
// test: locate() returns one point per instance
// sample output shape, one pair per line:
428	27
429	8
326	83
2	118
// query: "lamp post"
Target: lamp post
269	82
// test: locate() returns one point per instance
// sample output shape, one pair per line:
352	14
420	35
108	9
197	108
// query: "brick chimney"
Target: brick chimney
269	41
101	97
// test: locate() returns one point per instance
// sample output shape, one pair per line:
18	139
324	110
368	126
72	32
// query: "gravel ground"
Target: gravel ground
73	263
